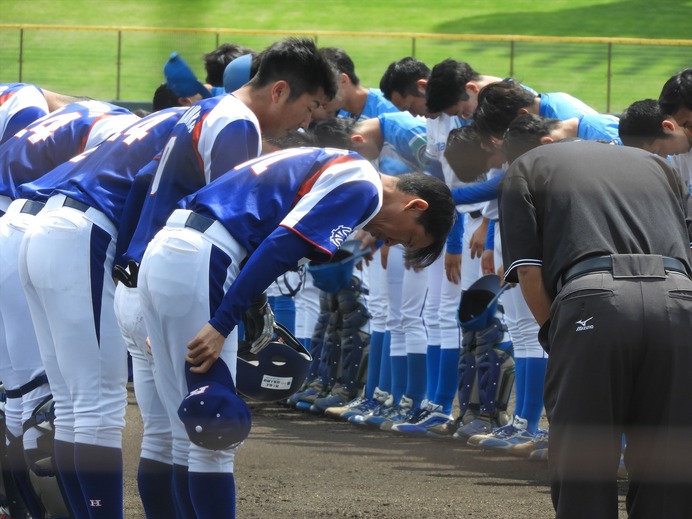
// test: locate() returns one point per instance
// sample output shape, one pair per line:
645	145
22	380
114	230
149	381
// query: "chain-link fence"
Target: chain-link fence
126	63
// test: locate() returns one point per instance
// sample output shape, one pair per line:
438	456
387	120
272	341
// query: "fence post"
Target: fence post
413	47
21	53
610	57
511	58
120	48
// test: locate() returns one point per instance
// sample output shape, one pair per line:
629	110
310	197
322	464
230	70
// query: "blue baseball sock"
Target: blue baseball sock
284	308
374	362
533	392
448	382
385	378
181	491
432	363
416	377
519	384
398	377
100	473
64	461
213	495
155	485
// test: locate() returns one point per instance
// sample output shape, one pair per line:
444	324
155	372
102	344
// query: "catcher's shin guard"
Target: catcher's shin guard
354	341
318	336
495	364
328	373
468	392
40	460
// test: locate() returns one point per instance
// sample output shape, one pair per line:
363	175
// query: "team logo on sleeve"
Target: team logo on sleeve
339	235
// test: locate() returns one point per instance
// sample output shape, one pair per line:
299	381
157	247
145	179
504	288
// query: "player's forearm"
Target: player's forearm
537	299
278	253
475	193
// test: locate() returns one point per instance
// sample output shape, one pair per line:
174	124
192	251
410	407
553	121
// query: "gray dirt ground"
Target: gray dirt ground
297	465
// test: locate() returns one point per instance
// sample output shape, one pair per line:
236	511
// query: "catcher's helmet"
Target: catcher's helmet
336	274
479	303
276	372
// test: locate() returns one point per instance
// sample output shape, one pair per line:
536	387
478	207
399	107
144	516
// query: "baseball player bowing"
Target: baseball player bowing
265	215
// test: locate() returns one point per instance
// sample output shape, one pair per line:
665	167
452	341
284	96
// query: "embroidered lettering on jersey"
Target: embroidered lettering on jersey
339	234
189	118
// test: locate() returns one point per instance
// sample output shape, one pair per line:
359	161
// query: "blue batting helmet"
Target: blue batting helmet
479	303
335	275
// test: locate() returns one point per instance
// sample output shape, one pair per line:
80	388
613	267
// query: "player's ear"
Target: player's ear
280	90
547	139
668	126
422	85
522	111
472	87
357	138
417	204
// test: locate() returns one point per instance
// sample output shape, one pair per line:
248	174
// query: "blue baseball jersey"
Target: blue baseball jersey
284	206
20	105
599	127
56	138
102	177
406	136
375	105
322	195
558	105
214	136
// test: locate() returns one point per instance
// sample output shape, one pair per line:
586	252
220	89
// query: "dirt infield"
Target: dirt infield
297	465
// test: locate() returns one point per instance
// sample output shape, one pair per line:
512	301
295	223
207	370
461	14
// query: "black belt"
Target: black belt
32	207
75	204
475	214
198	222
605	263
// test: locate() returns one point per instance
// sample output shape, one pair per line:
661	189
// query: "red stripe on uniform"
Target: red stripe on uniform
306	186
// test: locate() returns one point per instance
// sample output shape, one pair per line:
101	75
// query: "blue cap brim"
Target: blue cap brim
218	372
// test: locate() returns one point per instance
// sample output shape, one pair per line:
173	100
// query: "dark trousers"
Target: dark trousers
621	361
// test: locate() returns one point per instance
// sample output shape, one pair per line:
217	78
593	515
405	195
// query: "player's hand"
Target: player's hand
384	256
259	324
453	267
368	241
488	262
204	349
477	242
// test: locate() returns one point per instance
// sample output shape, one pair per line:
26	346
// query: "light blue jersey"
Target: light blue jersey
599	127
406	136
558	105
375	105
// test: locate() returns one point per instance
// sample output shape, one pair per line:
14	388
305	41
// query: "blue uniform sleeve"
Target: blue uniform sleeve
235	143
278	253
435	169
490	236
21	120
454	240
474	193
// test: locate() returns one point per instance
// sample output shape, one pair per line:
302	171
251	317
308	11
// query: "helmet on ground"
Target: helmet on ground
275	372
479	303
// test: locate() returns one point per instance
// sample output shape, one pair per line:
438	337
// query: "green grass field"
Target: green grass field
86	62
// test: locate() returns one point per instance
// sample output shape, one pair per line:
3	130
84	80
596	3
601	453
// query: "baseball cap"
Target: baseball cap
180	78
237	73
214	416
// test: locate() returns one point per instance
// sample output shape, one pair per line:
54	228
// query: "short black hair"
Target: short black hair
677	92
437	219
296	61
641	123
498	105
447	84
294	139
334	132
164	97
524	133
465	153
215	61
341	61
402	76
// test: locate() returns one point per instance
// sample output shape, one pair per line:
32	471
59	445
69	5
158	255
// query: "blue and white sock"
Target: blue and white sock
399	369
448	382
100	473
63	453
385	382
432	363
533	392
416	377
155	485
181	490
374	362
